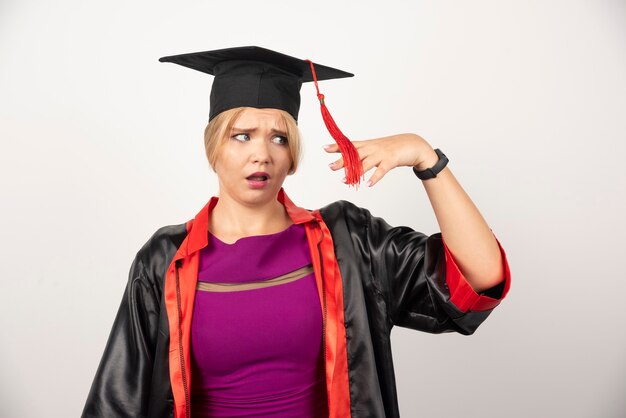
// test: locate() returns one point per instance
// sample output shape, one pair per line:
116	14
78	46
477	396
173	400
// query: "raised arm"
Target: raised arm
465	233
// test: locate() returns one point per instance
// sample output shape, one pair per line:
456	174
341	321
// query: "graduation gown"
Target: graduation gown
370	276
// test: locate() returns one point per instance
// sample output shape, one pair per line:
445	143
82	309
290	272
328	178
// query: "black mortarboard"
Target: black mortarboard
252	76
255	77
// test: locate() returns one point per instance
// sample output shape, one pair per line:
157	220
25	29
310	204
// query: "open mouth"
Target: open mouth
257	181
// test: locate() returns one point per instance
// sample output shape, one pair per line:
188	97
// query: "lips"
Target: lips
258	180
258	176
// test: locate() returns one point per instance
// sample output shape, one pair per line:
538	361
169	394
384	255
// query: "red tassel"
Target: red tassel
351	161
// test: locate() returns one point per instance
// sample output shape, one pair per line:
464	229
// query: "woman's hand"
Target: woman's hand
389	152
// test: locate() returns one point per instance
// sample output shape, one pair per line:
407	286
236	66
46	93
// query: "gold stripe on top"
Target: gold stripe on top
236	287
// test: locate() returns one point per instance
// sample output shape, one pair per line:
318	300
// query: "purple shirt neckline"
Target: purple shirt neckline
256	257
213	238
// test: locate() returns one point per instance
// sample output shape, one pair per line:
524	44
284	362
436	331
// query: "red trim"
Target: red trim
188	275
297	214
337	381
462	295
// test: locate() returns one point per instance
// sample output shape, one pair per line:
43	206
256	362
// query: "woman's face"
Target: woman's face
255	159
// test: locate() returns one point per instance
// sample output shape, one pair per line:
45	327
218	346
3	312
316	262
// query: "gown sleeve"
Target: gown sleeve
122	380
421	282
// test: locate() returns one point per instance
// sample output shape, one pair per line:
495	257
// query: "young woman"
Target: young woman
258	307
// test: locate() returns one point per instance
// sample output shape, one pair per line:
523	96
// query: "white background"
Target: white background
102	144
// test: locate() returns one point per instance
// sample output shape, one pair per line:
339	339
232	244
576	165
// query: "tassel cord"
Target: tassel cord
350	155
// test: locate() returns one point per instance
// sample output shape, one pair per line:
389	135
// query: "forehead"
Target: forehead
253	118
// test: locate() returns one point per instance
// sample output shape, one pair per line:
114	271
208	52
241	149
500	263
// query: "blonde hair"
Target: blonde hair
217	131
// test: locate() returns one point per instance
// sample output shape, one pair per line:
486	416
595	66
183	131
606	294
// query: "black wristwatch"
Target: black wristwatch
430	173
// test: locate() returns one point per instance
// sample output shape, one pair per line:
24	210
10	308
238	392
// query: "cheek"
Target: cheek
228	160
286	159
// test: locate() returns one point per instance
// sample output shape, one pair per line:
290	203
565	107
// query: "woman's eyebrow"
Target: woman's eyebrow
276	131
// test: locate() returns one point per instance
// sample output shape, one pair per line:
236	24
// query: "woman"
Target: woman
257	307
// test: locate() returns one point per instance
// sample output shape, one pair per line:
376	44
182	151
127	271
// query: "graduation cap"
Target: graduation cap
252	76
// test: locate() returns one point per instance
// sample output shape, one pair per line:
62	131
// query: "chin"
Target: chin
259	195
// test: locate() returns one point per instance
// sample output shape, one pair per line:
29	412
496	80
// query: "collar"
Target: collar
198	235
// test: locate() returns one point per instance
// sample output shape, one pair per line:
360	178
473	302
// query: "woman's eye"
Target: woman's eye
241	137
282	140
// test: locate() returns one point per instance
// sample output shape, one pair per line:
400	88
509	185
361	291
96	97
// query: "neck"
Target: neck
231	220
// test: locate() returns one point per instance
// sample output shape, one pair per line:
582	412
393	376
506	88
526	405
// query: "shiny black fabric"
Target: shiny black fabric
391	276
133	377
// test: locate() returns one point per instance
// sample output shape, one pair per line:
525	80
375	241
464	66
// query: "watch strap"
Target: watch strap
430	173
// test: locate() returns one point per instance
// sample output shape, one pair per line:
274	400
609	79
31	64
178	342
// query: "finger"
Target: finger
336	165
369	163
335	148
331	148
378	174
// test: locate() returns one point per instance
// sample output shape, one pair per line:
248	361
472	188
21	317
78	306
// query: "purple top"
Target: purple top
257	352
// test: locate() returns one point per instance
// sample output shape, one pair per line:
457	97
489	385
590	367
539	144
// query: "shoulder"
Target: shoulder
342	214
340	207
164	237
345	211
344	217
157	252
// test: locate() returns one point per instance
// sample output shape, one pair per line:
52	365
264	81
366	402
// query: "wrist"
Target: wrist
430	159
431	172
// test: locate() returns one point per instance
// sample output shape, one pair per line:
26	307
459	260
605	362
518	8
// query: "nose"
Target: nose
260	152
